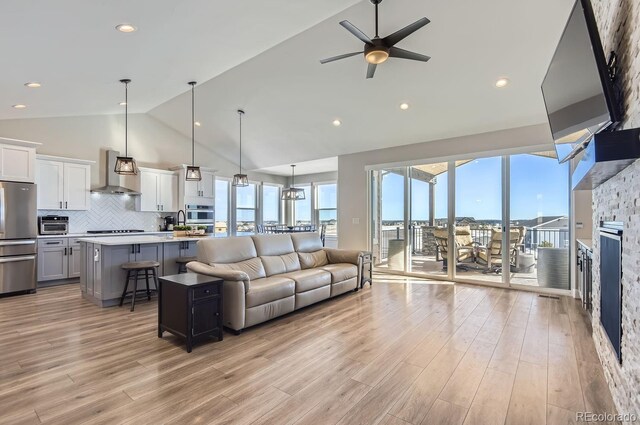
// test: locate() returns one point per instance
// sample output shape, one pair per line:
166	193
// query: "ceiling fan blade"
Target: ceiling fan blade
336	58
371	69
399	35
355	31
396	52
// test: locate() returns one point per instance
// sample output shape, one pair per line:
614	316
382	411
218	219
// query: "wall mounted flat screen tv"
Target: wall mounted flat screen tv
577	89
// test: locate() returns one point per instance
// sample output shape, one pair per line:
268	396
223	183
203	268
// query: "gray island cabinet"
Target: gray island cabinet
101	276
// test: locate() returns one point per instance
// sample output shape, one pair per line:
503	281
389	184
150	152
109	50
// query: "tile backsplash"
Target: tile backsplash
110	212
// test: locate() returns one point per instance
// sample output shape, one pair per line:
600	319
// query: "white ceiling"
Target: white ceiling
73	49
315	166
291	99
265	58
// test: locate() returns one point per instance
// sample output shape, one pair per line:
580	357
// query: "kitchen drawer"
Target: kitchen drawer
206	291
51	242
73	241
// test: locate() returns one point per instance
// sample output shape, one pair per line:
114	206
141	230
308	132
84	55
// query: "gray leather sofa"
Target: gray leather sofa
266	276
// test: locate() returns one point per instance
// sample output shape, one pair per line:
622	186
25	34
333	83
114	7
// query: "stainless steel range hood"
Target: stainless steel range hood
113	179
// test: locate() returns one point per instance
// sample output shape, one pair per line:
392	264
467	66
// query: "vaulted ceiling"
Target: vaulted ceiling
264	57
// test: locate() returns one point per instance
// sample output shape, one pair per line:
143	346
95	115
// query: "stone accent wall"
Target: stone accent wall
619	199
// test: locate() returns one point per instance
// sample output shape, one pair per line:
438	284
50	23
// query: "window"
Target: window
302	208
246	210
327	207
270	204
222	208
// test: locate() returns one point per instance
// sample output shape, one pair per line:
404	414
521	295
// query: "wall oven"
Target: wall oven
200	215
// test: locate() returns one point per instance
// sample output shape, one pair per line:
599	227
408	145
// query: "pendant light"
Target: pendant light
293	193
126	165
193	172
240	179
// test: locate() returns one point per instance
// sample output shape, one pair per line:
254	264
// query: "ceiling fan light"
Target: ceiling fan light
126	166
193	173
240	180
377	56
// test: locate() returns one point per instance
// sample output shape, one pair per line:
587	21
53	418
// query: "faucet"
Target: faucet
184	218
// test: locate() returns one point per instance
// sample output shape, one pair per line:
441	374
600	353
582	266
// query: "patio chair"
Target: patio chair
491	254
465	247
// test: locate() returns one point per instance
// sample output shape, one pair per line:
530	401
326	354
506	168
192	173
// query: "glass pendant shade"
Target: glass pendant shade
193	173
240	180
293	194
126	166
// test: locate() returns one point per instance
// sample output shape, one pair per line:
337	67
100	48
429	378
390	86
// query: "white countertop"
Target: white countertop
138	239
101	235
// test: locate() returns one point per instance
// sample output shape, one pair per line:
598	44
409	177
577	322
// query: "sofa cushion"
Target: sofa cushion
341	271
310	260
270	245
306	241
269	289
252	267
278	264
307	280
226	250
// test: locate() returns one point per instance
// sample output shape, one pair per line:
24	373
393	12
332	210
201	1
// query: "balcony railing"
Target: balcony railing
533	238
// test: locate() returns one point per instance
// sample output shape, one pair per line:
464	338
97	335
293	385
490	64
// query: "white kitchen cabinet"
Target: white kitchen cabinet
196	192
17	163
168	193
50	180
63	184
158	190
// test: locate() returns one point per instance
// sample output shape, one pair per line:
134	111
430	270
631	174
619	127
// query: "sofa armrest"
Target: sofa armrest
226	275
343	256
234	288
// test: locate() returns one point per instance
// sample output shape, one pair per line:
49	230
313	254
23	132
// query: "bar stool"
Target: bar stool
134	271
182	263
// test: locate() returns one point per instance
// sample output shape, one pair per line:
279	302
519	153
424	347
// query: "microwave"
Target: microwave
53	225
199	214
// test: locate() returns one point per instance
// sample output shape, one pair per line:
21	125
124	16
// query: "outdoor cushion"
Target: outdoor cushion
269	289
307	280
341	271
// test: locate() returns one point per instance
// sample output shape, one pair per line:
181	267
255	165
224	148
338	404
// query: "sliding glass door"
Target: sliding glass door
479	228
500	220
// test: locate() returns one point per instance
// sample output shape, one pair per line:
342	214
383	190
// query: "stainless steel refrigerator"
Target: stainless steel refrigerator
18	231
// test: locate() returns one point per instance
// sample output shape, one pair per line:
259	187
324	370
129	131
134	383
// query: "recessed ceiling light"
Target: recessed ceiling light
122	103
404	106
502	82
126	28
337	123
19	106
197	123
33	85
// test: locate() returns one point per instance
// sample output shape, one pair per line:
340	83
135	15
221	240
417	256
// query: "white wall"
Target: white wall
151	143
352	177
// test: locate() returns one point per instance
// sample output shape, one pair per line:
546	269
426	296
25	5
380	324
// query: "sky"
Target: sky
539	187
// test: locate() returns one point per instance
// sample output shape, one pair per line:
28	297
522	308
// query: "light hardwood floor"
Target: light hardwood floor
405	351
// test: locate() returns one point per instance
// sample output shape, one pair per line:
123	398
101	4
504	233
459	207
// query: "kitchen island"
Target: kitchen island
101	276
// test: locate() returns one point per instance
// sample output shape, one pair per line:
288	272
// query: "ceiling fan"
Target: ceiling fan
376	49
